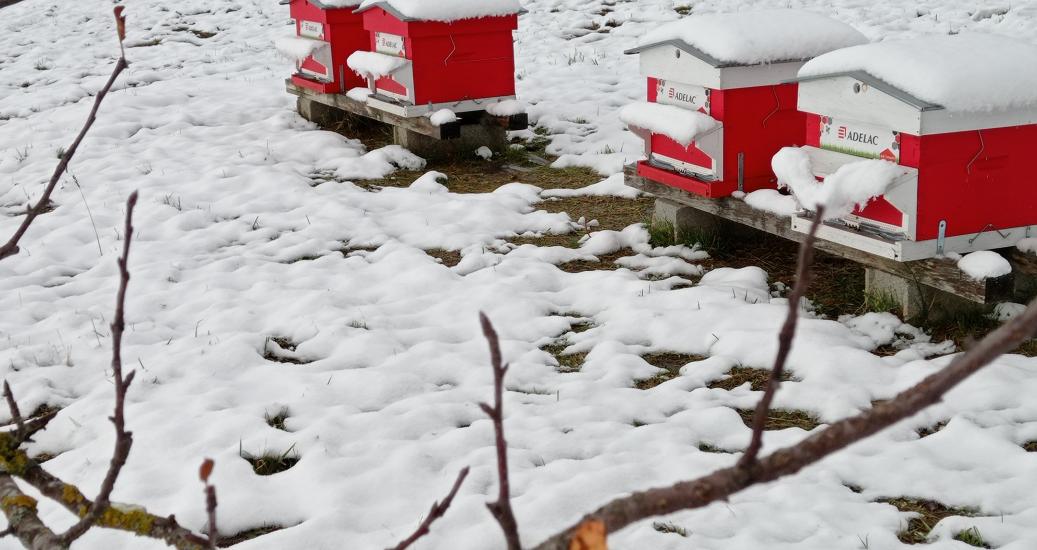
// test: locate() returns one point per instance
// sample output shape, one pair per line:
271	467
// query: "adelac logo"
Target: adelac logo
858	137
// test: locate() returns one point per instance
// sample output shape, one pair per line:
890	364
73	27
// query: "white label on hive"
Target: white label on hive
687	96
310	29
389	44
860	140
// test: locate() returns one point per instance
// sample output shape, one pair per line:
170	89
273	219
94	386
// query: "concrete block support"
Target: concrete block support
473	136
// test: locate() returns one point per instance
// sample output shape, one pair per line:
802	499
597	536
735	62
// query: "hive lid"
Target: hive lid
975	73
442	10
754	38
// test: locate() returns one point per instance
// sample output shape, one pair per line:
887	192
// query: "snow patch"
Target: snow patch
613	186
984	264
770	200
508	107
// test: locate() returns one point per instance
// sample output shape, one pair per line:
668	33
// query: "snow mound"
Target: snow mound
851	186
680	125
968	72
298	48
341	3
442	116
374	64
766	36
359	94
770	200
613	186
984	265
508	107
445	10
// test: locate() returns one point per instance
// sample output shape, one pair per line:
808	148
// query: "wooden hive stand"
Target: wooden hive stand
933	287
471	131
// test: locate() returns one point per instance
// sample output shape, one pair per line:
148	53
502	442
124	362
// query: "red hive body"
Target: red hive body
343	30
757	122
969	186
455	65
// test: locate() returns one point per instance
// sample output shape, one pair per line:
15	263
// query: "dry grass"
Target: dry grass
449	258
757	379
277	420
930	430
670	363
929	513
781	419
270	463
1030	446
567	363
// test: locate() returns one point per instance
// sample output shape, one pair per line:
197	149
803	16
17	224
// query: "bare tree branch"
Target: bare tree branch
23	518
437	511
501	509
123	438
721	484
785	338
11	247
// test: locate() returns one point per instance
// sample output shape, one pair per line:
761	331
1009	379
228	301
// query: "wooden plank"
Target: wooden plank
940	274
419	125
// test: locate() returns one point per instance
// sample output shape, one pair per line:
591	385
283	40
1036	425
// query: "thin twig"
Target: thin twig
11	247
210	500
785	338
123	438
97	236
501	509
437	511
16	413
721	484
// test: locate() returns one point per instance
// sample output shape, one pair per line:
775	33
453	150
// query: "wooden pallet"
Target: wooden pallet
940	274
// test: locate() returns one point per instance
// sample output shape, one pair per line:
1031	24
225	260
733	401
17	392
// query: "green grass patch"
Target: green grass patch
972	537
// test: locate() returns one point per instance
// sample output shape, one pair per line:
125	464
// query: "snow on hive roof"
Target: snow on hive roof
336	3
443	10
752	38
967	72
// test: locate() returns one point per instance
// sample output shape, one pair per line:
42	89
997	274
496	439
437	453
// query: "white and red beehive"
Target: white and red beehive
958	114
428	55
328	32
736	69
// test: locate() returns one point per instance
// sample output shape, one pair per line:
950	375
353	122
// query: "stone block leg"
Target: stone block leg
473	136
906	292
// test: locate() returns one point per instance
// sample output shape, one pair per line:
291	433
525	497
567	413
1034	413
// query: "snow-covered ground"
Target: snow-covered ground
238	243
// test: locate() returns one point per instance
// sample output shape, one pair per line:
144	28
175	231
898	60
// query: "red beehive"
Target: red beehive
443	54
957	113
736	69
337	32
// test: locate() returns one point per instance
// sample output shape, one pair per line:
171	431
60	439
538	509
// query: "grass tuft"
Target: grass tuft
670	363
782	419
268	463
927	514
972	537
277	420
757	378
